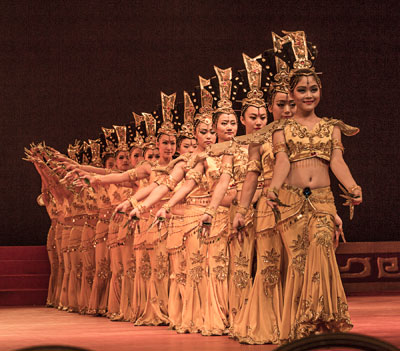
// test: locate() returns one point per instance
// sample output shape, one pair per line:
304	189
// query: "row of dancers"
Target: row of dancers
183	223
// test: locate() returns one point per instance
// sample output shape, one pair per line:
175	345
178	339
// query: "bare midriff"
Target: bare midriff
311	172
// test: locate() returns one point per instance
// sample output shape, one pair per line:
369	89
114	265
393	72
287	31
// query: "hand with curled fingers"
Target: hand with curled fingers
120	210
239	225
205	225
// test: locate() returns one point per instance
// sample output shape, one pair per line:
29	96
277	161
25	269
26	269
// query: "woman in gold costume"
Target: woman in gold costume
51	198
88	234
176	171
253	117
258	320
305	147
205	305
135	302
118	192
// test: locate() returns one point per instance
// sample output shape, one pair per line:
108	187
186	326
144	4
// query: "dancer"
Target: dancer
305	147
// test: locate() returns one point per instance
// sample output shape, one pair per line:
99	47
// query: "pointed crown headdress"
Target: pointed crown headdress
224	104
84	153
298	54
254	73
109	145
95	150
167	106
186	129
73	150
206	109
122	140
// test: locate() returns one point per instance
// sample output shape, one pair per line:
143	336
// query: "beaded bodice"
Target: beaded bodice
303	143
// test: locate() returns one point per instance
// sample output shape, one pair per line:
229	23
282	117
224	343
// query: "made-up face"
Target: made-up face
135	156
167	146
187	145
110	163
152	155
254	118
226	127
122	161
306	94
205	135
283	106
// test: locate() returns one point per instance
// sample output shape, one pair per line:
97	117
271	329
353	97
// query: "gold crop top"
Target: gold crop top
303	143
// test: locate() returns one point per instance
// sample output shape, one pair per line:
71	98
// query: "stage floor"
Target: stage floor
377	316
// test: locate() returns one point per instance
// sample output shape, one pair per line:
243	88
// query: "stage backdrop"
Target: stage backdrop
68	68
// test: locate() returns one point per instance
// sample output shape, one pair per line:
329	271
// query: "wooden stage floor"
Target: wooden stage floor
377	316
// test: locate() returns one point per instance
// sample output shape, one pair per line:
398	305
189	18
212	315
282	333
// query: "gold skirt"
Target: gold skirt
314	299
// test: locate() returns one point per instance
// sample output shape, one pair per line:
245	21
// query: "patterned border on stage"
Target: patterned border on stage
368	267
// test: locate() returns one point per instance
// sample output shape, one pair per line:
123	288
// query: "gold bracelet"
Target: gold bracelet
242	210
210	211
354	188
166	207
134	202
274	190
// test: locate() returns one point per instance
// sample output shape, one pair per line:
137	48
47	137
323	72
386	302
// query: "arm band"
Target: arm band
254	166
337	144
227	169
169	182
132	175
280	147
195	175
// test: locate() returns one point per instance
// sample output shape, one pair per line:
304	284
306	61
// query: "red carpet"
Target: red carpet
377	316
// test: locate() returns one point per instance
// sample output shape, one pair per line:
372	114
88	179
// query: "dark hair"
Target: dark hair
181	138
196	123
106	157
303	72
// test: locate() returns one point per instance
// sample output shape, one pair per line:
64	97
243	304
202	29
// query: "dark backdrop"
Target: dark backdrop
68	68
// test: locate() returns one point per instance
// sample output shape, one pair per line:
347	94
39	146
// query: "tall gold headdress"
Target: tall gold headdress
186	128
300	50
122	141
139	141
109	145
205	110
151	125
225	88
95	150
167	105
297	53
280	81
254	72
73	150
